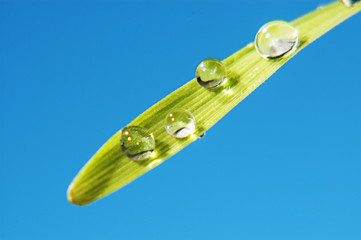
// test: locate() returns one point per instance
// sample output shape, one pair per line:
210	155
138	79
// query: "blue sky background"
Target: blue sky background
288	169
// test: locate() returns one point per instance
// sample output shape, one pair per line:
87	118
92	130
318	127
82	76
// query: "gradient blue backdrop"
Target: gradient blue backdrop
284	164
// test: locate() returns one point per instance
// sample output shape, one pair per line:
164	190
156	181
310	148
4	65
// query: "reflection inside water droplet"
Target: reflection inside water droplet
180	123
350	3
211	73
137	143
276	39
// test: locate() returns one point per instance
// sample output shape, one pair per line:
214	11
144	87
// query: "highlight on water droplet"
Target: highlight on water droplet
211	73
137	143
276	39
350	3
180	123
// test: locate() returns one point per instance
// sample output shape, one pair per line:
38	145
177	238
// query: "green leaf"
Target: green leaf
109	169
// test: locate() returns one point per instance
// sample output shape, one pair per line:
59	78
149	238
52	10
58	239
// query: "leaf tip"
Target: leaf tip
71	197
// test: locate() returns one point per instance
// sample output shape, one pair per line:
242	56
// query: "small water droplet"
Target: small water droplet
180	123
154	163
137	143
350	3
276	39
211	73
203	134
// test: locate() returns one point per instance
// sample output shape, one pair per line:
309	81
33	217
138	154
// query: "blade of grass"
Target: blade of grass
109	169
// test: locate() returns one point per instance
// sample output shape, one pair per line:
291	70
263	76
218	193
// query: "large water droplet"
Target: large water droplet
211	73
180	123
350	3
276	39
137	143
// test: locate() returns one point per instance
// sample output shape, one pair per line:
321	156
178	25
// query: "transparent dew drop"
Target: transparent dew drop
137	143
350	3
211	73
276	39
203	134
180	123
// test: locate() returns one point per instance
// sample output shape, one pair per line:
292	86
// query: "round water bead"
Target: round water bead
211	73
202	135
350	3
137	143
180	123
276	39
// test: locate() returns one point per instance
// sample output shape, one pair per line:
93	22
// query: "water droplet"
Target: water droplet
137	143
203	134
350	3
154	163
180	123
276	39
211	73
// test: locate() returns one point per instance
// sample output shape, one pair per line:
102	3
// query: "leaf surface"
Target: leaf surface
109	169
